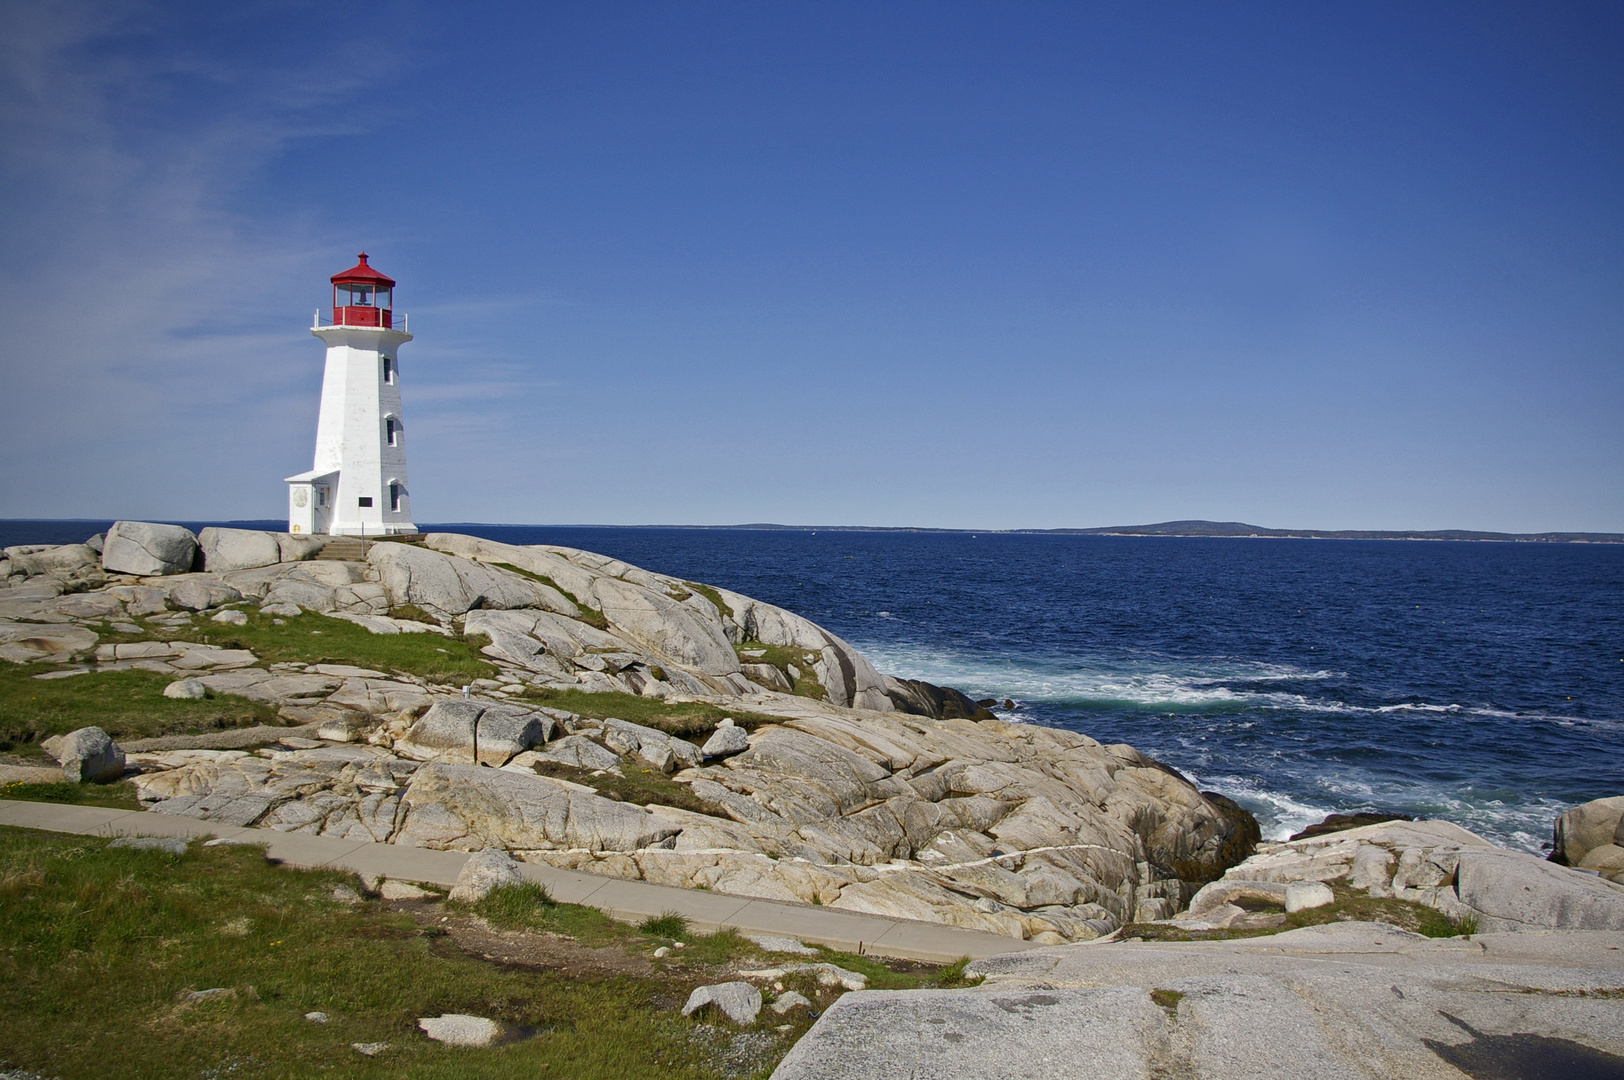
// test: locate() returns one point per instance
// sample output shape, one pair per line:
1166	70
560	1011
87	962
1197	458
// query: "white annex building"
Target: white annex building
358	485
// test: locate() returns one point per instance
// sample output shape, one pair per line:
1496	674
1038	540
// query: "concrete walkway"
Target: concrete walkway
629	901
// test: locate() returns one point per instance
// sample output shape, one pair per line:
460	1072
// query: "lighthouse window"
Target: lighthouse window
365	500
394	497
389	430
389	369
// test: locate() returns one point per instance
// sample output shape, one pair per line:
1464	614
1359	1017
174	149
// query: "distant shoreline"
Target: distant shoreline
1215	530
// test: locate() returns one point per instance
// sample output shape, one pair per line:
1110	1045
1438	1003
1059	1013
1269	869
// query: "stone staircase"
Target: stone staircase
354	548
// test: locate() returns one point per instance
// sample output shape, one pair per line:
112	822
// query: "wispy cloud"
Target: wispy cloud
134	295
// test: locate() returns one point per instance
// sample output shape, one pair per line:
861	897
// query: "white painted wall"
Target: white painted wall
350	430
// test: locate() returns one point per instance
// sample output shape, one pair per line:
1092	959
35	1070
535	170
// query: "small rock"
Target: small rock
739	1001
175	845
774	943
370	1049
484	872
186	690
789	1001
316	1017
231	617
346	895
662	952
195	997
1302	895
728	738
289	611
228	841
402	890
460	1029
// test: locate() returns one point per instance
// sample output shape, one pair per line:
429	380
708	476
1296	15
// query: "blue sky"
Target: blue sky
977	265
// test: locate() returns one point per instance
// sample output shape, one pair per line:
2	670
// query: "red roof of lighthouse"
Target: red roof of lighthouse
362	274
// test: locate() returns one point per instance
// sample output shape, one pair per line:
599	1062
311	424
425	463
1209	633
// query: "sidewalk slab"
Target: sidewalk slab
943	944
135	823
637	900
565	886
404	864
56	817
844	930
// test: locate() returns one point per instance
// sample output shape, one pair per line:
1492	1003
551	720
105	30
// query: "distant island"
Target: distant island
1218	529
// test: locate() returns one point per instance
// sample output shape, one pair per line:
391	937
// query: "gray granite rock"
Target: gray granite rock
1589	825
461	1029
1359	1001
726	740
465	807
237	549
148	549
448	586
738	1001
89	754
483	873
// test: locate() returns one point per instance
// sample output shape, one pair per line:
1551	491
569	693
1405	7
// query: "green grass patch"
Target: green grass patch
529	907
1167	999
782	657
125	704
688	719
669	925
120	795
589	615
101	947
317	639
640	785
413	613
713	596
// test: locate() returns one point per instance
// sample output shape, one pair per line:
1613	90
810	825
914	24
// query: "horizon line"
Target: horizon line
1192	528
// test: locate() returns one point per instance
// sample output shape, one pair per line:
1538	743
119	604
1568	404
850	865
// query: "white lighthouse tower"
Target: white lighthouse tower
358	485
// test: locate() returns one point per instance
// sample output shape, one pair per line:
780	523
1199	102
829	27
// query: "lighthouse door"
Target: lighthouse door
321	511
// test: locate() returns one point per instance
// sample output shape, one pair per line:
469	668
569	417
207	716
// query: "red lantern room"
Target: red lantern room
363	297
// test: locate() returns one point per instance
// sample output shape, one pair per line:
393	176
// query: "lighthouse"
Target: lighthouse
358	484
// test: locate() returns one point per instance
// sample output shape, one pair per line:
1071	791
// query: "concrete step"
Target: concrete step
344	549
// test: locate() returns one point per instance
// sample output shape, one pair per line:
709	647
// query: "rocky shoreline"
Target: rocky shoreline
840	786
836	786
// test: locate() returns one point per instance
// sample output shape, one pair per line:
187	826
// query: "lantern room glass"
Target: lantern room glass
355	295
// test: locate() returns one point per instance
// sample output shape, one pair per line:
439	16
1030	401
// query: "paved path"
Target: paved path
627	900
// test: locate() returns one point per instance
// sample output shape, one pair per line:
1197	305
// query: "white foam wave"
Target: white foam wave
1147	681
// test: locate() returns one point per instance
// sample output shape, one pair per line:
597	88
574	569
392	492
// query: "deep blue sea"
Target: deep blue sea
1478	682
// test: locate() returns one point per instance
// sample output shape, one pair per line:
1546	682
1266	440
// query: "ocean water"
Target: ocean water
1478	682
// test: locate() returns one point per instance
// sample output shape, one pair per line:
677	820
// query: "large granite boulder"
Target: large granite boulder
147	549
468	732
449	586
238	549
1435	863
1588	825
462	807
89	754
